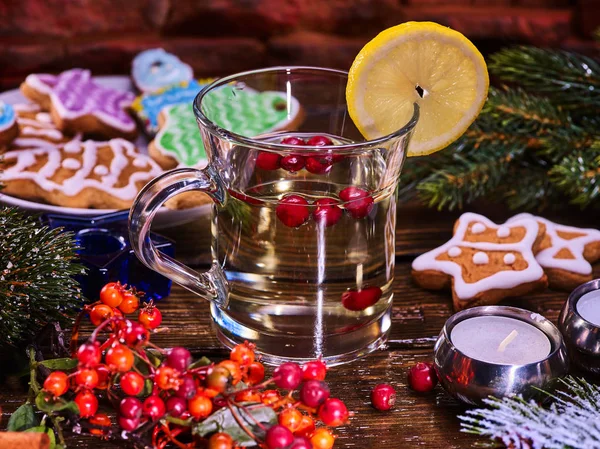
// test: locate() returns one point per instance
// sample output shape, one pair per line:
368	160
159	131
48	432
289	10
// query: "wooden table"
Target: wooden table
428	421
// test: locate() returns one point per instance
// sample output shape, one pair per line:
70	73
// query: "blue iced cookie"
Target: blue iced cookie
8	124
148	106
156	69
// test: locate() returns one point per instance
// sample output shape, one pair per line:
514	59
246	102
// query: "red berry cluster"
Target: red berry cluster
320	163
144	390
294	210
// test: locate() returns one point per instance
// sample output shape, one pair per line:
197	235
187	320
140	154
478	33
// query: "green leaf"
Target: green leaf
154	356
223	421
179	421
204	361
23	418
46	403
61	364
48	431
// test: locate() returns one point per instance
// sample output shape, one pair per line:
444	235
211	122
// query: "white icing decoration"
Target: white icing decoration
509	258
72	147
455	251
101	170
71	164
480	258
122	150
477	228
504	279
140	162
503	232
26	107
43	117
576	246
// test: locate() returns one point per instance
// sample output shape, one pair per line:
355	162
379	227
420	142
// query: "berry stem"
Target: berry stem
243	407
241	423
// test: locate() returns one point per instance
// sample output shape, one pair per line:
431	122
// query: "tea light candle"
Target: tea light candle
501	340
579	323
498	351
588	306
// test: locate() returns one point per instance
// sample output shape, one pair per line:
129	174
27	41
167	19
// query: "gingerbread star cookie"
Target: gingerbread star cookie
78	103
90	174
484	262
566	252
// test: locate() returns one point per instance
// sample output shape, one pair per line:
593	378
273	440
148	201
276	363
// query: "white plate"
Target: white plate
164	218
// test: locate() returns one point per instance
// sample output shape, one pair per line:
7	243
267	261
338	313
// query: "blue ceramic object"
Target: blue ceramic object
105	251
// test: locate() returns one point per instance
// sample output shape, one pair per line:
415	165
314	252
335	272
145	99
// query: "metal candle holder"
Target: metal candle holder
471	380
581	337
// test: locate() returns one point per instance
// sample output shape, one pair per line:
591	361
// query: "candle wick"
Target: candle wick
510	337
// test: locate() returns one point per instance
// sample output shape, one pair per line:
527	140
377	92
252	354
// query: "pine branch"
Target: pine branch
528	187
36	283
578	175
572	421
567	78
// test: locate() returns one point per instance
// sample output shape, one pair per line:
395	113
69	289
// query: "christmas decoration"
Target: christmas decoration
535	144
36	277
164	398
571	421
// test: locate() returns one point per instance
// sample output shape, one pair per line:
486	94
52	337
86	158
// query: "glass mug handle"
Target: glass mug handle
210	285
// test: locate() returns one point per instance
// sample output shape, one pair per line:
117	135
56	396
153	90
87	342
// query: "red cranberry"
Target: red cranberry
153	408
359	203
136	334
268	161
89	354
176	406
187	388
293	141
128	424
292	162
179	358
319	141
357	300
327	212
130	408
333	412
287	376
301	443
313	393
293	211
319	164
314	370
278	437
422	377
383	397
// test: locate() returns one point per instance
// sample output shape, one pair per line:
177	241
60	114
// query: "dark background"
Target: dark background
219	37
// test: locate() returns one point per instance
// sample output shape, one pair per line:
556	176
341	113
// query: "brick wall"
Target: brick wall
218	37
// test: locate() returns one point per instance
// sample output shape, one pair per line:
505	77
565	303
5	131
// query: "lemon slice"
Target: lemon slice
422	62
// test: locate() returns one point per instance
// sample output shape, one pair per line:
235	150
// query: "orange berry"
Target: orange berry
56	383
112	294
200	406
119	358
130	303
234	370
100	313
100	419
243	353
322	438
306	427
167	378
290	418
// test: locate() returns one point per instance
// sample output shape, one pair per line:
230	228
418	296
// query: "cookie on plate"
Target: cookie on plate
155	69
77	103
566	252
148	106
484	262
8	124
36	128
89	174
179	143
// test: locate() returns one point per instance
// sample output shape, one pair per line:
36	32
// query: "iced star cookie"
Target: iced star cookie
566	252
90	174
78	104
179	142
155	69
8	124
36	128
148	106
484	262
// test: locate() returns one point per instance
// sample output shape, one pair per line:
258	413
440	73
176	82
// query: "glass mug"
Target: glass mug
303	236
